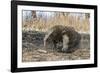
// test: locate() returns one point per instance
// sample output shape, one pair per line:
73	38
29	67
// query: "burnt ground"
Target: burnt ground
34	51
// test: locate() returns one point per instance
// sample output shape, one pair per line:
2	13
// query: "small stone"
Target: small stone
42	51
36	56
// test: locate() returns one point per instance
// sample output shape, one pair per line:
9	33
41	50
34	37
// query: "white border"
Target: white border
53	63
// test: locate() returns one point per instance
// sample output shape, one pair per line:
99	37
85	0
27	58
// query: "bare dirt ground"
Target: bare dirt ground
33	50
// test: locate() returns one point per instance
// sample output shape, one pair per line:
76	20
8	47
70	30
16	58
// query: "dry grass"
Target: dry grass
38	24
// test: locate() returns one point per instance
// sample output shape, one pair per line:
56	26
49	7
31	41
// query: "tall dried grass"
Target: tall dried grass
38	24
